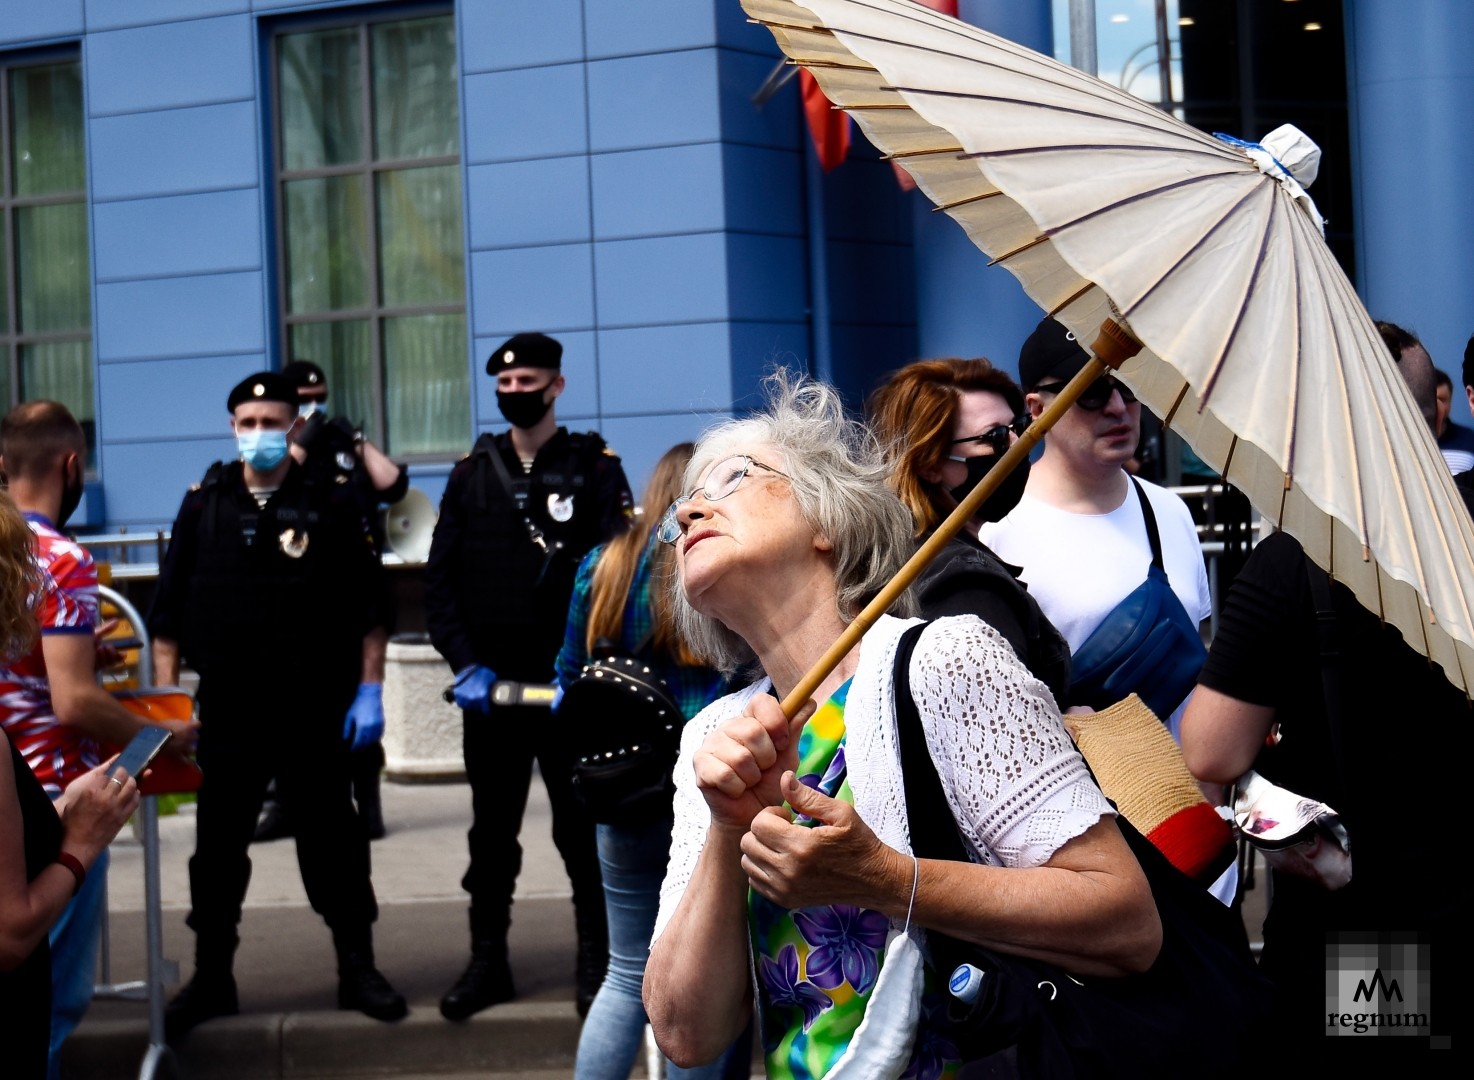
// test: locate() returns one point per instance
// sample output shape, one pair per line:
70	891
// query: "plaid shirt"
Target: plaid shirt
694	687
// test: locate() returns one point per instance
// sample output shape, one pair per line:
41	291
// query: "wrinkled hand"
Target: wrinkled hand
186	737
93	809
364	724
472	688
838	860
739	765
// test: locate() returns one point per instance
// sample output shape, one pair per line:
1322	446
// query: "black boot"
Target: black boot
593	948
361	986
275	823
366	765
209	994
486	981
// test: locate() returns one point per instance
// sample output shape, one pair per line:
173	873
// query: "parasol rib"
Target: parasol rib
1019	250
901	155
1067	301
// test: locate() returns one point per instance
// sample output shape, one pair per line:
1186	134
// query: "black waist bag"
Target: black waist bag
1032	1019
626	730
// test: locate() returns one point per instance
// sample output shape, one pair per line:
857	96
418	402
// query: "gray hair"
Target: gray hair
838	475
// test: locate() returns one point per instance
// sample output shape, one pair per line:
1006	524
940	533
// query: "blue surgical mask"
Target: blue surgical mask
305	411
262	450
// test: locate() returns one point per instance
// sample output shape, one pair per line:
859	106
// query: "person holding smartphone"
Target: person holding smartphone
51	707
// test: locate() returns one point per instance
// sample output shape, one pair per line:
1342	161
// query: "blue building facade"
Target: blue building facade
606	178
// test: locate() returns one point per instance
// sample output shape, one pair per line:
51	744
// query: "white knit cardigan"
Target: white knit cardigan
1017	787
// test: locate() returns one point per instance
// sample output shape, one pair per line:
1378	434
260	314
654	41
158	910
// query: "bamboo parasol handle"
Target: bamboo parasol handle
1113	347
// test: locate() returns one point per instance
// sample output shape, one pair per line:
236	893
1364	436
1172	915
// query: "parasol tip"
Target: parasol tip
1115	345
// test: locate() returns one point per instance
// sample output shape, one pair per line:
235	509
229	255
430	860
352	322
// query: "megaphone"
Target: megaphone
408	525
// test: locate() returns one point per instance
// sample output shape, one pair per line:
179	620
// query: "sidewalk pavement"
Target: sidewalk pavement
289	1024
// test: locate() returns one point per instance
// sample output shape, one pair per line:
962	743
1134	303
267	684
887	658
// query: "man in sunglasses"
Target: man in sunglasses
1081	530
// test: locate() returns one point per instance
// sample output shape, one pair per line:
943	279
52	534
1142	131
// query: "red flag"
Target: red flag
829	126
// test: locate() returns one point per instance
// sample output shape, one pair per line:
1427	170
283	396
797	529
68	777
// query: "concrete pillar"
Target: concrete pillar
964	307
1412	140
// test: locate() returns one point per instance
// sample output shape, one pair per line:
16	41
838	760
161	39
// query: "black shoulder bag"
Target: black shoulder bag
626	729
1195	1012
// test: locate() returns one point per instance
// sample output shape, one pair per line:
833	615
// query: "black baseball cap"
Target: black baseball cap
1051	351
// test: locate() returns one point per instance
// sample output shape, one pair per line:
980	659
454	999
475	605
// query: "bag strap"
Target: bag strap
926	803
536	535
1153	537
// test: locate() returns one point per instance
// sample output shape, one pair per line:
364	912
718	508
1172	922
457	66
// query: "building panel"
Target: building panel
671	189
189	63
500	35
547	287
525	203
149	400
177	151
178	234
526	113
208	315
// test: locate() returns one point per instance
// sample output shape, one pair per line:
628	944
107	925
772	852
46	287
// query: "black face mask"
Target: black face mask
997	505
524	408
71	498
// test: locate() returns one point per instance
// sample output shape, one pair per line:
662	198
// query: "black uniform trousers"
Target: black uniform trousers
499	750
251	731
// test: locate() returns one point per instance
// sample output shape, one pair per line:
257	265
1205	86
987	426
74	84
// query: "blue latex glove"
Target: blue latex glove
473	688
364	724
557	699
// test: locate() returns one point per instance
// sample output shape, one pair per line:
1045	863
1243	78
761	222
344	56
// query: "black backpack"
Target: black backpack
626	729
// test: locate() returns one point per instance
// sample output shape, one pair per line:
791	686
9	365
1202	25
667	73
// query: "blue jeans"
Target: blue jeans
633	864
74	959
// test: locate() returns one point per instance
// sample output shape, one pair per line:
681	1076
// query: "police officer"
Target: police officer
517	516
336	452
279	694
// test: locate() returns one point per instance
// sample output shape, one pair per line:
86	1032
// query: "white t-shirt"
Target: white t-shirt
1080	566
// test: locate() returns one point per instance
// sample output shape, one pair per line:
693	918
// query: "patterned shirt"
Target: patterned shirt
694	688
65	603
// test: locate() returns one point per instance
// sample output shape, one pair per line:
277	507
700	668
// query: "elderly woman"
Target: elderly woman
789	529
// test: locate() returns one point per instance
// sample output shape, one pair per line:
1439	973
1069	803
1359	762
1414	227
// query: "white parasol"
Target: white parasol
1257	350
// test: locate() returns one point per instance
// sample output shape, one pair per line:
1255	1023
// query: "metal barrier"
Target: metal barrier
160	972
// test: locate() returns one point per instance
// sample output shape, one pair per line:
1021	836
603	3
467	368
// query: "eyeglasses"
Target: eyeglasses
998	437
1097	395
720	482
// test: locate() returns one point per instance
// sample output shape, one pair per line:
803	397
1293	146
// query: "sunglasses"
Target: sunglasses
999	437
720	482
1097	395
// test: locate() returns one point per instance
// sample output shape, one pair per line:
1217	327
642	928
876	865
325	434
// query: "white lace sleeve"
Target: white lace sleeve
692	815
1017	786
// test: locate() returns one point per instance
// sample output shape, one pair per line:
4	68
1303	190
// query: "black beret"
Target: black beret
526	350
263	386
1050	350
305	375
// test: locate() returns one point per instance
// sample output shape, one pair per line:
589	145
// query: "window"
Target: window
371	257
45	277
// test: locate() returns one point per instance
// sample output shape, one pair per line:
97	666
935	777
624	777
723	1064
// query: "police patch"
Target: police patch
560	509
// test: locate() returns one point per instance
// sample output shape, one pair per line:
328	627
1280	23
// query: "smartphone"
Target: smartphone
144	747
